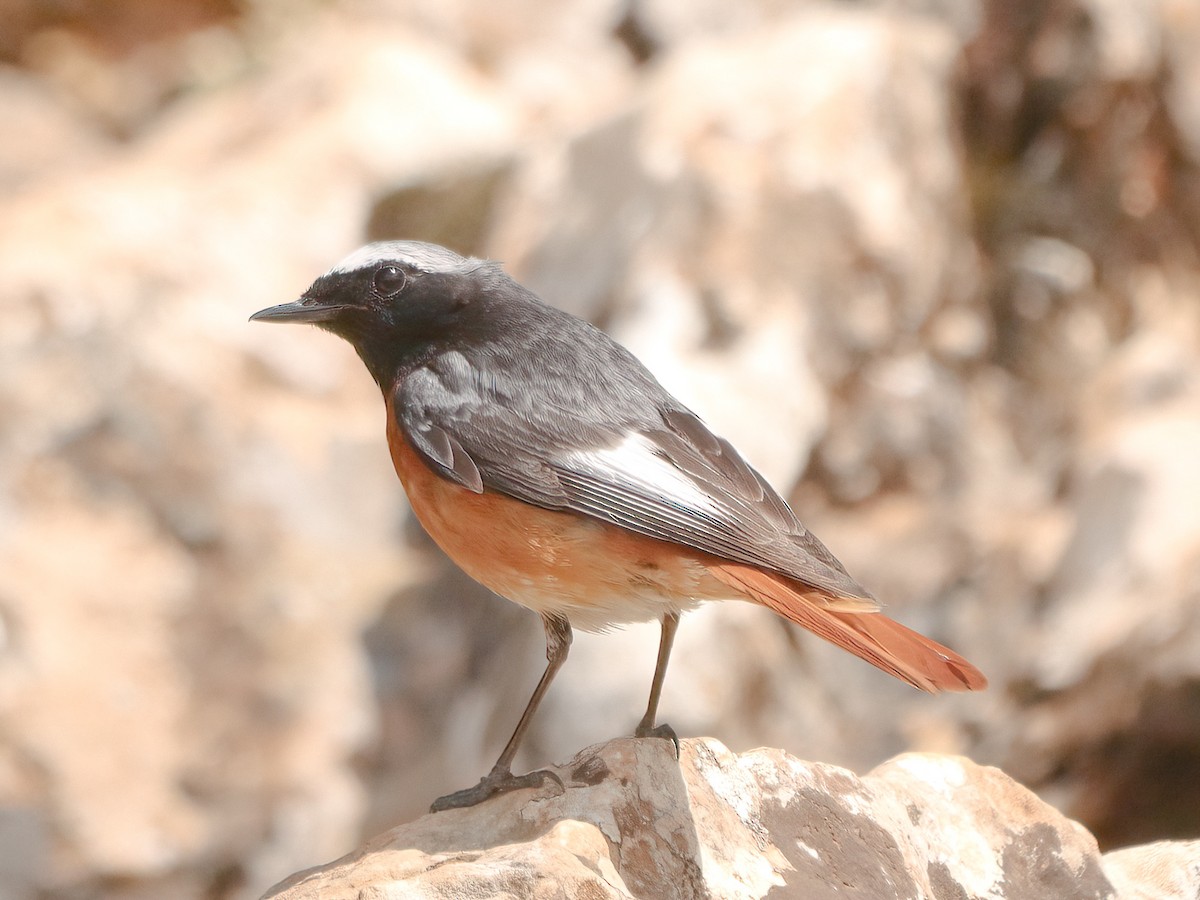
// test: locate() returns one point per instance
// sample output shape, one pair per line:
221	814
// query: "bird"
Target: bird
552	467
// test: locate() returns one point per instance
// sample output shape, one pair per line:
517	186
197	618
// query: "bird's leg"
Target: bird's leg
501	778
646	727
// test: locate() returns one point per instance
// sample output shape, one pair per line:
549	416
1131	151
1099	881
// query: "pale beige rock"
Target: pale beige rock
634	822
973	327
1155	871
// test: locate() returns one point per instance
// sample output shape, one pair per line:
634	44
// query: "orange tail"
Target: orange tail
872	636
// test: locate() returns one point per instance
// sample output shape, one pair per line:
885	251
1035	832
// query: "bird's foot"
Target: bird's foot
498	781
665	731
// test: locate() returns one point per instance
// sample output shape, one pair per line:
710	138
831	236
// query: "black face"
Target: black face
402	303
393	312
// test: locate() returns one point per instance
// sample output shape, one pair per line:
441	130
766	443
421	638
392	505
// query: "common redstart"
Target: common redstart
549	464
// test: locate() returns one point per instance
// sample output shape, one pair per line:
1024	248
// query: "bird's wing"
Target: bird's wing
662	474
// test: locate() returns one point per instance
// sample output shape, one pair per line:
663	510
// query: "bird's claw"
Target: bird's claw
659	731
495	783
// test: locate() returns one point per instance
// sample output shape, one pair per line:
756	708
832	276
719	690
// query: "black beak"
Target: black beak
310	311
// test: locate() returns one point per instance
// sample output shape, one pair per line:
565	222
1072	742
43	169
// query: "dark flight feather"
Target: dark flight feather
674	480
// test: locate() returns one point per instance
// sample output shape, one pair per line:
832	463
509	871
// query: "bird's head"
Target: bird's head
397	301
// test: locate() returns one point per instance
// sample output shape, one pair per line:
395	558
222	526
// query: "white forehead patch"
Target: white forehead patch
417	254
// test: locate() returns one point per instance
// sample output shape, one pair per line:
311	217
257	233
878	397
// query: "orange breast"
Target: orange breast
597	575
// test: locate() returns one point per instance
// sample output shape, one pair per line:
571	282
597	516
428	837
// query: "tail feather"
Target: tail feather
872	636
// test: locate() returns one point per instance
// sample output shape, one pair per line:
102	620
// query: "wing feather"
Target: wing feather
448	456
663	474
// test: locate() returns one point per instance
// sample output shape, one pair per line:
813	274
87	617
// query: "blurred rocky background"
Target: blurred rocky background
933	266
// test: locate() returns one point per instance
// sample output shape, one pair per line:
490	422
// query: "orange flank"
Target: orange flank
599	575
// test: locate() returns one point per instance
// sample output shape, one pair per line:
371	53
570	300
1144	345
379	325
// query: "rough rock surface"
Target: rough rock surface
934	266
634	822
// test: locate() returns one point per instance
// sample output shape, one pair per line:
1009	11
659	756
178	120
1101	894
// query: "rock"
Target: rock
172	657
1155	871
717	226
633	821
930	264
452	208
1113	720
54	137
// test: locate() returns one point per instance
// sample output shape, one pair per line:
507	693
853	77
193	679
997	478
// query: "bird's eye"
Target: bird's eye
389	281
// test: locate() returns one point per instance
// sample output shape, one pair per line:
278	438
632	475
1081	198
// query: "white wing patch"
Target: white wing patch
635	461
